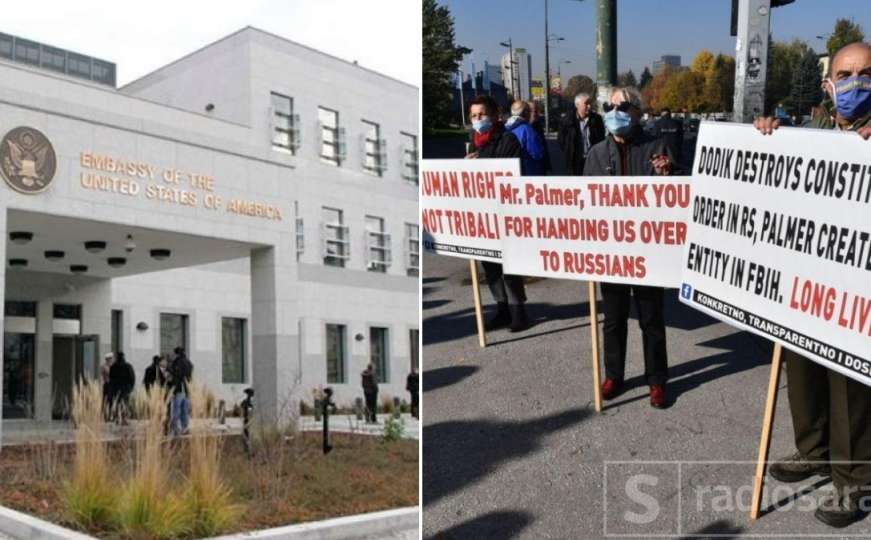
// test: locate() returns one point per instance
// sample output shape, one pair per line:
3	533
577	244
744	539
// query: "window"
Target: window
53	59
332	136
6	46
27	51
377	245
117	330
173	332
378	353
20	309
285	130
412	250
232	350
374	159
336	353
336	249
300	231
103	72
414	341
68	311
409	158
79	65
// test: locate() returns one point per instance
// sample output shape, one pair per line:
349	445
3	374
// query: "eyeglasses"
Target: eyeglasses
622	107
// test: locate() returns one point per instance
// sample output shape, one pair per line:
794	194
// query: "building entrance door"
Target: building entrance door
18	368
74	359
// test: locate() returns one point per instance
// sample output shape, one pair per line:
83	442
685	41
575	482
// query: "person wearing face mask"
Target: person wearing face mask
831	413
629	151
490	139
531	144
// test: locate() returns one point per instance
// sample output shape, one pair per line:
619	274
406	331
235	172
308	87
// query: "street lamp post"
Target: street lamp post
462	103
511	65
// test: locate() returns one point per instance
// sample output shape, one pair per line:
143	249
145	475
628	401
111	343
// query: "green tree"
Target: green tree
441	58
646	77
783	62
807	82
627	79
845	32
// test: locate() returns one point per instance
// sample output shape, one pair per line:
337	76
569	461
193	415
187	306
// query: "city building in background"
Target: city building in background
254	202
672	60
521	85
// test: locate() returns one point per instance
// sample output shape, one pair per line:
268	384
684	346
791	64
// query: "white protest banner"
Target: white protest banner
458	199
779	239
608	229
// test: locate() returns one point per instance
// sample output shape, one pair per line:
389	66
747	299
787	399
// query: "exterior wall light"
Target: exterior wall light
130	245
142	326
117	262
359	337
78	268
54	256
160	254
17	263
20	237
95	246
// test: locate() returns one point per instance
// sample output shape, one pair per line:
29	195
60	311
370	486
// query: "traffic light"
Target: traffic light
733	29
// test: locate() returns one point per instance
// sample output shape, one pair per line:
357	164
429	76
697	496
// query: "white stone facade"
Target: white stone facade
224	263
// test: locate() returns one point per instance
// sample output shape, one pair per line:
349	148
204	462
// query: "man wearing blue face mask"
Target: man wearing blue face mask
831	413
490	139
629	151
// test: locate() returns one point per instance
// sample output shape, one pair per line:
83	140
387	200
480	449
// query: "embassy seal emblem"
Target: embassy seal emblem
27	160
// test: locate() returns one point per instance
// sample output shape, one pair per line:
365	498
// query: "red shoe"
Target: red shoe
657	396
610	388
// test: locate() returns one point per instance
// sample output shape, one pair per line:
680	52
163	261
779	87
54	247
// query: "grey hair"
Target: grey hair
580	97
522	107
630	94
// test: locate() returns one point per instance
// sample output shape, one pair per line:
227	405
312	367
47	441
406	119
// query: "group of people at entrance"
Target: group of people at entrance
831	413
369	382
169	373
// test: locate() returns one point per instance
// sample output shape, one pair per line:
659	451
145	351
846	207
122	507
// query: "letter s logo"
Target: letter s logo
650	504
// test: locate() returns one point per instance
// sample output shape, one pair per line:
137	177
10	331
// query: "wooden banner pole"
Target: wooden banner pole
594	328
476	293
765	440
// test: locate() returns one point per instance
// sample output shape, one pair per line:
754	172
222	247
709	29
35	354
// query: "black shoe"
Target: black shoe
796	468
501	319
519	320
839	509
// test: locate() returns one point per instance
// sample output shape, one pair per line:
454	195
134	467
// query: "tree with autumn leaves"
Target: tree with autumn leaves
706	86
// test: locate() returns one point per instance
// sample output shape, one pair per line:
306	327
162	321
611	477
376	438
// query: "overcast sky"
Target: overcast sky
383	35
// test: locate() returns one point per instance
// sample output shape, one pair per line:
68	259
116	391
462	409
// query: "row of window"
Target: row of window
44	56
332	146
379	352
336	242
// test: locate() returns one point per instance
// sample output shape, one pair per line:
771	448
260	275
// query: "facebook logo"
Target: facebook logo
686	291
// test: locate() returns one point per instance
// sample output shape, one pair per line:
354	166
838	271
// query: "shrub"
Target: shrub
89	495
207	497
394	429
386	403
147	507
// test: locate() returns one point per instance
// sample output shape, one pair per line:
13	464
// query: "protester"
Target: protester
536	120
831	413
370	390
670	131
411	385
491	140
122	378
181	371
629	151
578	133
531	143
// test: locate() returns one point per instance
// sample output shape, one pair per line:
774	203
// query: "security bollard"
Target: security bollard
326	405
247	415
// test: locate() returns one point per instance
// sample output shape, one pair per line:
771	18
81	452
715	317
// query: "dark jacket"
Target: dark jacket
570	140
370	385
121	379
606	159
671	133
150	376
502	144
181	370
411	383
538	126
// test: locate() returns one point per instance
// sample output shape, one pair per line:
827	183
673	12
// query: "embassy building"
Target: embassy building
254	202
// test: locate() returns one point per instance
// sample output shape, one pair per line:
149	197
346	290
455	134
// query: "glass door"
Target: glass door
18	369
